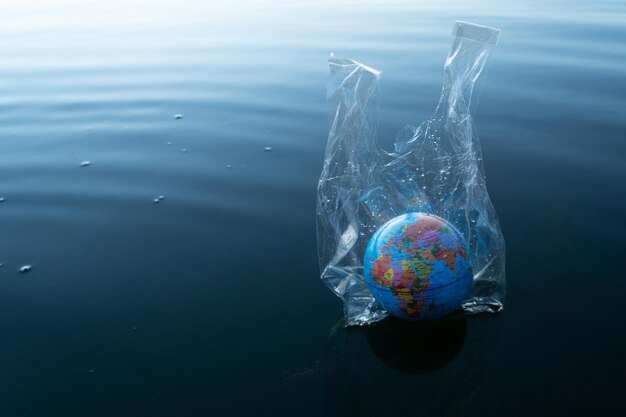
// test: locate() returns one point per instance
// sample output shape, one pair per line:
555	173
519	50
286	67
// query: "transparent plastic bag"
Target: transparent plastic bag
435	168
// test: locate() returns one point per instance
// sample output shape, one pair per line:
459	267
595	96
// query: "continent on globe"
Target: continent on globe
417	267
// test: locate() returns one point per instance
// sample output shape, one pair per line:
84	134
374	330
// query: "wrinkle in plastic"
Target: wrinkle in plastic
435	168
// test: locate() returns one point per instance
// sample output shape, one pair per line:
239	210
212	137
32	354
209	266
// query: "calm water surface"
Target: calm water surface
209	302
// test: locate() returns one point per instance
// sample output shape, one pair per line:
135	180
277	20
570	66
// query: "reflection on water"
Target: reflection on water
417	347
400	368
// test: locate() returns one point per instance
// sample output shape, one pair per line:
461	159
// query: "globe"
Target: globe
417	267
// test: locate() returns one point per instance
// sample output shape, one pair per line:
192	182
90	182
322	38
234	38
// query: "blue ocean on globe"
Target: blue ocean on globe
417	267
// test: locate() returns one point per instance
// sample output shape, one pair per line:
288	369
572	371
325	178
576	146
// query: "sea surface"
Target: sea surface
208	301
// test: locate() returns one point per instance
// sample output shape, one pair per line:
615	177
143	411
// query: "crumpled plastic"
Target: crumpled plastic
435	168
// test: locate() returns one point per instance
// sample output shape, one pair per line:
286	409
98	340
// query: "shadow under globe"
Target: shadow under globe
398	367
417	347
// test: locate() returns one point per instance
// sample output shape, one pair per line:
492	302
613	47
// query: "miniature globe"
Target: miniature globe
417	267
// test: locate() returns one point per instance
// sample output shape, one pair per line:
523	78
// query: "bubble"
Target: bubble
85	163
184	150
178	116
25	268
268	149
229	166
1	199
156	201
169	143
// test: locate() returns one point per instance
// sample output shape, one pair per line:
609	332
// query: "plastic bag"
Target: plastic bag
435	168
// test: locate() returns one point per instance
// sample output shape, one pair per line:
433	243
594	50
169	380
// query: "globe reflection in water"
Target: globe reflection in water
417	347
400	367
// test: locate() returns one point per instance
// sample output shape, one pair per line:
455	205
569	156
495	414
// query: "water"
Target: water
209	302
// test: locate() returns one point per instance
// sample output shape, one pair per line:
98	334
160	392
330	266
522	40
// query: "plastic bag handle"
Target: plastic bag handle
466	61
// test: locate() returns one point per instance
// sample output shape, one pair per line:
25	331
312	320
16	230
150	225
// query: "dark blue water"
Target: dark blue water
209	302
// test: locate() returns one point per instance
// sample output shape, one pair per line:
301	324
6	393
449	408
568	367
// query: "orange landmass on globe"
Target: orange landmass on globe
414	231
382	272
448	256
